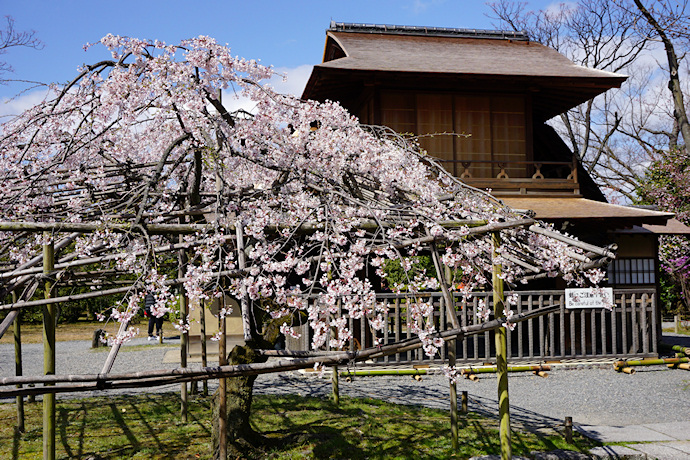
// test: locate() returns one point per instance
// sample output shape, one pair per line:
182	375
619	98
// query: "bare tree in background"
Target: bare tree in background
669	23
617	134
12	38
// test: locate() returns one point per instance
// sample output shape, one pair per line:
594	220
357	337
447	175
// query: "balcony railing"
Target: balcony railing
518	177
629	330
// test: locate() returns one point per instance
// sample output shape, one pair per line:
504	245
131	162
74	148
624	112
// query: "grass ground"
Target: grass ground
681	330
81	330
148	426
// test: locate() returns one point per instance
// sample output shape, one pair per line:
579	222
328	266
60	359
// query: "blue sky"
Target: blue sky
289	35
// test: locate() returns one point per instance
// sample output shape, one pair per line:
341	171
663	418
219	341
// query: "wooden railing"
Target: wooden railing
517	176
629	330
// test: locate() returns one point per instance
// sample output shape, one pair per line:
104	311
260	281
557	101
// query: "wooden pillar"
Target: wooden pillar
501	356
48	352
18	366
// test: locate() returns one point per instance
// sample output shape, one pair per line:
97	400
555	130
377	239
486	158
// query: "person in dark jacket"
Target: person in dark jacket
149	302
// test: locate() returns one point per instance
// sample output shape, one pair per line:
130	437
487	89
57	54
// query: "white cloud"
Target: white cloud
294	82
559	7
18	104
420	6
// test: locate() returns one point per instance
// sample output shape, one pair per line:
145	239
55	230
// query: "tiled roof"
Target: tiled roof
359	56
453	55
582	208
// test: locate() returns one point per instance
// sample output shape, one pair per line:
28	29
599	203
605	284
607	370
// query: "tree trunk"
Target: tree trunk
242	440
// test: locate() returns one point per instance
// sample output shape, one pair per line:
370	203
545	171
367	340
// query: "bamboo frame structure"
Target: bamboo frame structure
91	382
22	275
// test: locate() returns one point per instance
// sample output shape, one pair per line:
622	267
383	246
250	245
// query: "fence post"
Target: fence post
676	323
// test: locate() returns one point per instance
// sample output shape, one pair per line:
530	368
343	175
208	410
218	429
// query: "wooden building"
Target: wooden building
480	101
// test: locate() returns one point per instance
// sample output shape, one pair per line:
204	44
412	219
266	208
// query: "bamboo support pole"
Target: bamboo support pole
37	260
604	252
178	229
9	319
494	369
18	366
681	349
376	372
23	270
455	442
453	318
501	355
648	362
110	360
48	353
167	376
106	292
335	395
151	229
244	301
222	388
464	402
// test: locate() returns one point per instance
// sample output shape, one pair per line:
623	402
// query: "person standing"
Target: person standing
157	322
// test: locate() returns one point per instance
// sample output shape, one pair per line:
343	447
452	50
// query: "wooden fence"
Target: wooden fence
631	329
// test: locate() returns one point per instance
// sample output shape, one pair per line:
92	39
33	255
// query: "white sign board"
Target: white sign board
588	298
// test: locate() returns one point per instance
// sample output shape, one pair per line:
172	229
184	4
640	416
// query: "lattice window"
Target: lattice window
632	271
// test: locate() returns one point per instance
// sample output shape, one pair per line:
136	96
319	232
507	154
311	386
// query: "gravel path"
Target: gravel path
590	396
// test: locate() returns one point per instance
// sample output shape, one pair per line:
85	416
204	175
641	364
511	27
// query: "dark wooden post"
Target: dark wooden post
202	317
48	352
569	430
184	336
501	355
